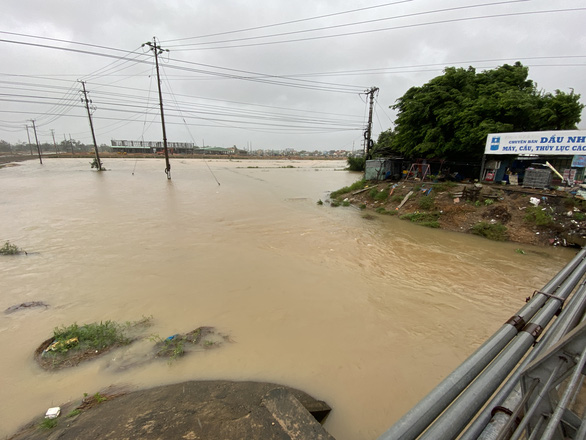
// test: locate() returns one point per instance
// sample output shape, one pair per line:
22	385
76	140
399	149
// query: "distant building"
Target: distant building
157	147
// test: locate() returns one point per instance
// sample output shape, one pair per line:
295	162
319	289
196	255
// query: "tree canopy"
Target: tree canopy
450	116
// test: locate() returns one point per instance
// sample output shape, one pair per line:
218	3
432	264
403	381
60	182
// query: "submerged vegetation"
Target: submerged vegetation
10	249
92	336
99	166
75	343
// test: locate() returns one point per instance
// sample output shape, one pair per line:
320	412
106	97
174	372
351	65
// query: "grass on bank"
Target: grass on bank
360	184
428	219
492	231
47	424
538	216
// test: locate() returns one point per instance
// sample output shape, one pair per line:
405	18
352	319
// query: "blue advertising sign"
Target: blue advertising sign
553	143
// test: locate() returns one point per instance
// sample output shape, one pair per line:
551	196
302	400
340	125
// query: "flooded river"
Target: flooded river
367	315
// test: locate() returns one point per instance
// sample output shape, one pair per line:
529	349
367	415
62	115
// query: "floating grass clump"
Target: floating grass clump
92	336
10	249
76	343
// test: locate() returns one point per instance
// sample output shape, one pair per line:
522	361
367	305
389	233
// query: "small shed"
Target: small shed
383	168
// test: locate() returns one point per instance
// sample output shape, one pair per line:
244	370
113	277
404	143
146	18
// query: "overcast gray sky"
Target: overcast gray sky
273	74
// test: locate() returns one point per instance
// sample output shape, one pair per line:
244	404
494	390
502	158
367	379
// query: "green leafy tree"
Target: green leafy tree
451	115
384	144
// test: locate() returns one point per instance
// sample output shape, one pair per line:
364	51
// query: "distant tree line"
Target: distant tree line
65	146
450	116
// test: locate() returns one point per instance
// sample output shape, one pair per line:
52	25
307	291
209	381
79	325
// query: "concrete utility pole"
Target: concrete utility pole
37	141
158	51
29	139
70	143
368	133
89	115
54	143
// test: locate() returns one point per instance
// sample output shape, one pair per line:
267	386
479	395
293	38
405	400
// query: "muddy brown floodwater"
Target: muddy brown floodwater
367	315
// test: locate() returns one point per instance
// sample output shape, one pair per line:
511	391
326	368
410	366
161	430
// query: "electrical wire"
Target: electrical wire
406	26
289	22
356	23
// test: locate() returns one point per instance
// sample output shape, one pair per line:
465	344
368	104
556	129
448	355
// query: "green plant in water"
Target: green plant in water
172	348
94	164
538	216
145	321
92	336
382	210
362	206
48	423
492	231
10	249
520	251
346	203
334	203
319	202
99	398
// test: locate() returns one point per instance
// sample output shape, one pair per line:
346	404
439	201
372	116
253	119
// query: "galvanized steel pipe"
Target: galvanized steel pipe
476	428
414	422
463	409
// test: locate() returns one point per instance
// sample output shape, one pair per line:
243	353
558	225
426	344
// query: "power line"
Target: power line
407	26
289	22
356	23
260	79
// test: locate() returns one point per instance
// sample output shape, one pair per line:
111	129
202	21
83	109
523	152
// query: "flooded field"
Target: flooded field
367	315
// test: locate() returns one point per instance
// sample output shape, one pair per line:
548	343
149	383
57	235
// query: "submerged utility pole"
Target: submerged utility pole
158	51
54	143
29	139
37	141
368	133
89	115
70	144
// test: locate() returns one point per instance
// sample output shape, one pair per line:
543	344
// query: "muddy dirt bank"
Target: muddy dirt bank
508	213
